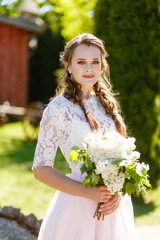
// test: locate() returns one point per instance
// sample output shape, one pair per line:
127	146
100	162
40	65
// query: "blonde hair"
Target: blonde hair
102	88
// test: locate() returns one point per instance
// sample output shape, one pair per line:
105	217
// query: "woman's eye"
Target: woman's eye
95	62
81	62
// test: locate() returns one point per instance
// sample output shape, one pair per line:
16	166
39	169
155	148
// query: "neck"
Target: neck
86	92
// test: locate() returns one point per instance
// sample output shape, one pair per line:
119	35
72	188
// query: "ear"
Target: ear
65	64
68	67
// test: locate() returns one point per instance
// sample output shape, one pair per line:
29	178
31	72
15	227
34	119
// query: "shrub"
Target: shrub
130	31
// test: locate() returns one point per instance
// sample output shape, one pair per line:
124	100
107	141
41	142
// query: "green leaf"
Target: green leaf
117	161
95	178
87	182
83	168
82	158
130	188
89	164
73	156
126	175
75	148
103	138
133	174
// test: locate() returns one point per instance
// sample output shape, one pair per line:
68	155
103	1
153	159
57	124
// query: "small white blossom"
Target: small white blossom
104	150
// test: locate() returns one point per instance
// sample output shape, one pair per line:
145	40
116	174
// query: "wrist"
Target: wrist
84	191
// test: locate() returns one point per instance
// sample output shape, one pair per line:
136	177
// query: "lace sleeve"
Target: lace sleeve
49	137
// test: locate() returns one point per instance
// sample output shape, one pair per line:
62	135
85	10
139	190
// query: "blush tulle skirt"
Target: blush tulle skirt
71	218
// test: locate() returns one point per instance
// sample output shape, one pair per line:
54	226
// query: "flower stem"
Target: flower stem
97	213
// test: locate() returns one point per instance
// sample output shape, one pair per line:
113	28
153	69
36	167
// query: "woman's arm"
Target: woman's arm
57	180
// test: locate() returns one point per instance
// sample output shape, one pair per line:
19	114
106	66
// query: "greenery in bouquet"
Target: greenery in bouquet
111	160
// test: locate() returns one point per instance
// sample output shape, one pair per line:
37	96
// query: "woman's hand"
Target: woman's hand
111	205
98	194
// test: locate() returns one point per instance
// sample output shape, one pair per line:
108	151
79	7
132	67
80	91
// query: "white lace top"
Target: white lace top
64	124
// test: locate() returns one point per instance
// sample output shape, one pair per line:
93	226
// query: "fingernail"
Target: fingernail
102	212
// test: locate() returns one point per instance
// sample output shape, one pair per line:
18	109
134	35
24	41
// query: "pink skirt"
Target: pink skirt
71	218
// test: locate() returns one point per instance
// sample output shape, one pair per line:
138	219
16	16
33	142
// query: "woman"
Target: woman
86	104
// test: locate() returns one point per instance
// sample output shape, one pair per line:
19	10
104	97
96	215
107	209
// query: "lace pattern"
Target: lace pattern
64	124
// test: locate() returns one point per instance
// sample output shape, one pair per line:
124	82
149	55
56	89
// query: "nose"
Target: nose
89	67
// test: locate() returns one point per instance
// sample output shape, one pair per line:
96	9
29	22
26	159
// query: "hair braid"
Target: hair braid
109	104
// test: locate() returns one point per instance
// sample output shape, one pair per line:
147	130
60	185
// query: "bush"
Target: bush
130	31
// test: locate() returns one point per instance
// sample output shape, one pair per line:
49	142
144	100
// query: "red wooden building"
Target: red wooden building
14	54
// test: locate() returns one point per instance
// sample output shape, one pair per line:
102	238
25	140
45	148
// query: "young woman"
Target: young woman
86	104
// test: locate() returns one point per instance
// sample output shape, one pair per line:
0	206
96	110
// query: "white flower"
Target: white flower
103	150
146	166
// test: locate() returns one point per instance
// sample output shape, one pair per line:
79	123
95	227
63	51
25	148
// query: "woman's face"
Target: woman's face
86	65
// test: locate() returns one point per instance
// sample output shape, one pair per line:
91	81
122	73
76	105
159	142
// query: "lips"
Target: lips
88	76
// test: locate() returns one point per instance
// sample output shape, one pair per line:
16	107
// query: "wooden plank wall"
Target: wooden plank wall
13	65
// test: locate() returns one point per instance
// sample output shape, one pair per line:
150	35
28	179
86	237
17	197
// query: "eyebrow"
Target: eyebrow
84	59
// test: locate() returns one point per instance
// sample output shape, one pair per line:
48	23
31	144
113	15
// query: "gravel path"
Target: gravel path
10	230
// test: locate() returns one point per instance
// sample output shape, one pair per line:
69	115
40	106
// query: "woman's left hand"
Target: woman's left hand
111	205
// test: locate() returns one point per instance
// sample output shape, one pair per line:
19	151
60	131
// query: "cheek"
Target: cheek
98	70
76	69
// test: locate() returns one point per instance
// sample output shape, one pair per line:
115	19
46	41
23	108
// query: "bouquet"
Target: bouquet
111	160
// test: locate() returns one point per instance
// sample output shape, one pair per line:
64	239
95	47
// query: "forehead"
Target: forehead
84	51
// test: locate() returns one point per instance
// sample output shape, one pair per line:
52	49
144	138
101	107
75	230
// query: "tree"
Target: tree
10	8
130	30
75	16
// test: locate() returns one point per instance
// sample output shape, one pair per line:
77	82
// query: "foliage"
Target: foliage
10	8
130	31
75	16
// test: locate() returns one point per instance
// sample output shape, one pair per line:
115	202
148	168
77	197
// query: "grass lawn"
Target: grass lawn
20	189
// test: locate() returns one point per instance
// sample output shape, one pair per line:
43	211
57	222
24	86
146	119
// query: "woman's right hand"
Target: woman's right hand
98	194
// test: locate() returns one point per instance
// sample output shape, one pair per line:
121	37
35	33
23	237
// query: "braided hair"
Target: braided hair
102	87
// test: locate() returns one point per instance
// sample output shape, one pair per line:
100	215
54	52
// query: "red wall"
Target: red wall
13	65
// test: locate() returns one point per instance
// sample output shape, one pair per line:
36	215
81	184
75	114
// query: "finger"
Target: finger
107	206
109	210
112	208
111	203
104	189
105	197
108	193
113	200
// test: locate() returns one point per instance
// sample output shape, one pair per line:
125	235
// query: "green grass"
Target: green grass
20	189
147	211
